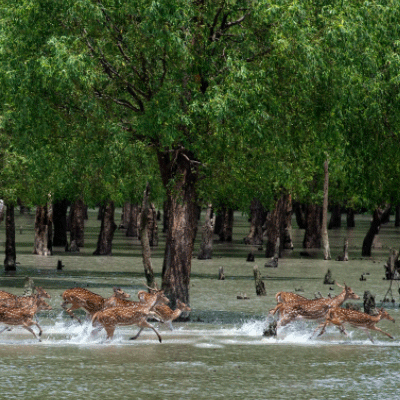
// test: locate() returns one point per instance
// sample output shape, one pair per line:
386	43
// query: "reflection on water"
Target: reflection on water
221	352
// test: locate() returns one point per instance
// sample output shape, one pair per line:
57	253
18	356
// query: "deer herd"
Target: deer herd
117	310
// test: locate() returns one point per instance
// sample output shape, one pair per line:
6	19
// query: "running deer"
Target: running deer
109	318
23	316
89	301
12	300
152	299
311	309
287	297
339	316
167	315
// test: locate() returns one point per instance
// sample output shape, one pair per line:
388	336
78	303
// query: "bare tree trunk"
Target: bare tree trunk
225	230
77	224
125	215
1	210
206	246
324	233
144	239
312	235
43	230
377	217
133	227
60	209
179	174
277	225
107	229
257	220
287	233
397	216
10	251
152	227
300	213
336	217
350	218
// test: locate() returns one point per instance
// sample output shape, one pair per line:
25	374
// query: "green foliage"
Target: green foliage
258	93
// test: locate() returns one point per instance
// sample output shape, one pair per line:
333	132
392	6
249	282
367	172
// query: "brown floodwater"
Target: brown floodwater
221	351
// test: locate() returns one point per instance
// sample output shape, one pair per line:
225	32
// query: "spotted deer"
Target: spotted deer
287	297
89	301
23	316
311	309
110	318
167	315
339	316
11	300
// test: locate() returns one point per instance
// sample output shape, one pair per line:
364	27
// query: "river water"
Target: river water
221	351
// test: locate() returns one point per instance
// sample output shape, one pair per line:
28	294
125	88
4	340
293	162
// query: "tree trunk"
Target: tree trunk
324	233
300	213
377	217
257	220
125	215
225	231
1	210
277	222
108	227
206	246
152	227
43	230
397	216
144	239
60	223
132	226
77	225
287	233
179	175
350	221
312	234
336	217
10	252
165	217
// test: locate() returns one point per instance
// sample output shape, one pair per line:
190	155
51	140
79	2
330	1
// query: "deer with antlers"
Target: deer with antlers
110	318
339	316
89	301
311	309
23	316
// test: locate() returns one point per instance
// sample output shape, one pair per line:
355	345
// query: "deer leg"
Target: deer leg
137	335
375	328
323	325
5	329
40	329
284	321
110	331
28	328
144	324
69	310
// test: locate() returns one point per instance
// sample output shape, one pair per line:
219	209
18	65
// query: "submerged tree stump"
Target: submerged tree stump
260	287
328	278
392	265
345	255
270	329
369	303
